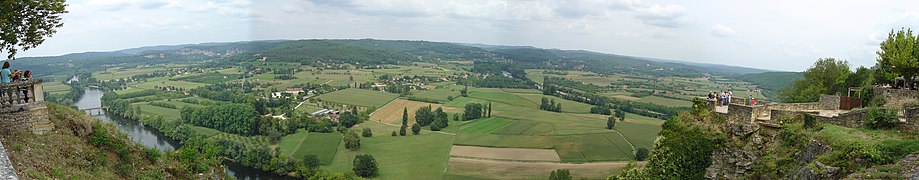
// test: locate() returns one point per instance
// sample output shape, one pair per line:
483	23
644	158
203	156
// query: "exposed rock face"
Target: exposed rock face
735	161
810	168
908	167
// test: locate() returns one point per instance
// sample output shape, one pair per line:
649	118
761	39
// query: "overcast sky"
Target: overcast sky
779	35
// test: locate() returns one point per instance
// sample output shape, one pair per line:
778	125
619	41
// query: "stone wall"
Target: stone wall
794	106
828	102
6	167
896	97
31	117
853	119
776	115
744	113
912	120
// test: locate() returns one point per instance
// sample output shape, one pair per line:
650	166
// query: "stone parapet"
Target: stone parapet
912	120
32	117
828	102
745	113
6	167
853	119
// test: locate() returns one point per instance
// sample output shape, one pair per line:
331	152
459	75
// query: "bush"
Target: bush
352	141
416	129
641	154
311	161
561	174
366	132
394	133
365	166
881	118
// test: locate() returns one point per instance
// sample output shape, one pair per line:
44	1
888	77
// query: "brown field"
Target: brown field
519	154
493	169
392	113
630	98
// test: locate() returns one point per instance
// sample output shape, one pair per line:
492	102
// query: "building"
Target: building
294	90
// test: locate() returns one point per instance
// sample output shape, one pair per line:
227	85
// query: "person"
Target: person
5	73
27	75
15	75
752	100
730	95
724	98
717	100
711	95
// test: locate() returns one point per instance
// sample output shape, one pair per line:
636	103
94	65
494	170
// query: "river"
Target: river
149	136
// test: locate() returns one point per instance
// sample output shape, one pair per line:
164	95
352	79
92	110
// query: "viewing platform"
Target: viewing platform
22	109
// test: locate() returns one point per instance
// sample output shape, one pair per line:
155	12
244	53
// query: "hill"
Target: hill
83	148
772	82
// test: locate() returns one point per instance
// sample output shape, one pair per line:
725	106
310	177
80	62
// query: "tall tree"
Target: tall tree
404	121
365	165
826	76
489	109
24	24
899	56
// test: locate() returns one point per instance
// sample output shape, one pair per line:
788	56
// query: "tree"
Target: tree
424	116
348	120
641	154
472	111
365	166
393	133
620	114
440	120
899	56
26	24
611	123
366	132
489	109
826	76
404	121
311	161
561	174
416	129
352	141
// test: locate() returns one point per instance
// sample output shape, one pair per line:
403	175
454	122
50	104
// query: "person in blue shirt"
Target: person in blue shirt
5	73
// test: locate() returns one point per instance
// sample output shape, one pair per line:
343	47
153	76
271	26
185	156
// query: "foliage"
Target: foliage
424	116
366	132
365	165
600	110
772	83
416	129
311	161
231	118
561	174
440	119
826	76
404	122
26	24
352	141
881	118
682	151
550	105
899	56
641	154
611	123
472	111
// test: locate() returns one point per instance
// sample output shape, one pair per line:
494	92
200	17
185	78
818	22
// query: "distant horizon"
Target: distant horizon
780	35
459	43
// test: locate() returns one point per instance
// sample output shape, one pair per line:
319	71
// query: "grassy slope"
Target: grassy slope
359	97
323	145
403	157
64	154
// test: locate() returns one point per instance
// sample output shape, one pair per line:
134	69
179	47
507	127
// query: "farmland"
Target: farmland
358	97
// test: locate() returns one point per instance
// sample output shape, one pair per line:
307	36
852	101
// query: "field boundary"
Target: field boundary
626	140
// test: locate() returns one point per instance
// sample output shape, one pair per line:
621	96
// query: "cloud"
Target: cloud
723	31
668	16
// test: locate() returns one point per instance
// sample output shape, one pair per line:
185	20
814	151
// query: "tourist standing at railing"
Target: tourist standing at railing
27	75
5	73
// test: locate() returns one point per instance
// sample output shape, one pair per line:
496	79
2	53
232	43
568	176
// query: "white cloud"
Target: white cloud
721	30
669	16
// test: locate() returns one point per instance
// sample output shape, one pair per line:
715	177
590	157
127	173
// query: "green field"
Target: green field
167	113
505	98
665	101
302	143
359	97
152	83
55	87
567	105
504	141
485	126
440	94
402	157
206	132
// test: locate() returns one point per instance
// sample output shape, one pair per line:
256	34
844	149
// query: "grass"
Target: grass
302	143
567	105
440	94
505	98
206	132
167	113
153	83
402	157
55	87
359	97
504	141
665	101
485	126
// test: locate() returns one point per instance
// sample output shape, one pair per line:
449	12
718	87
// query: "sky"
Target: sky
787	35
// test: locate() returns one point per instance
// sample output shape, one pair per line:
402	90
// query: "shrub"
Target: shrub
416	129
311	161
641	154
366	132
352	141
881	118
394	133
365	165
561	174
